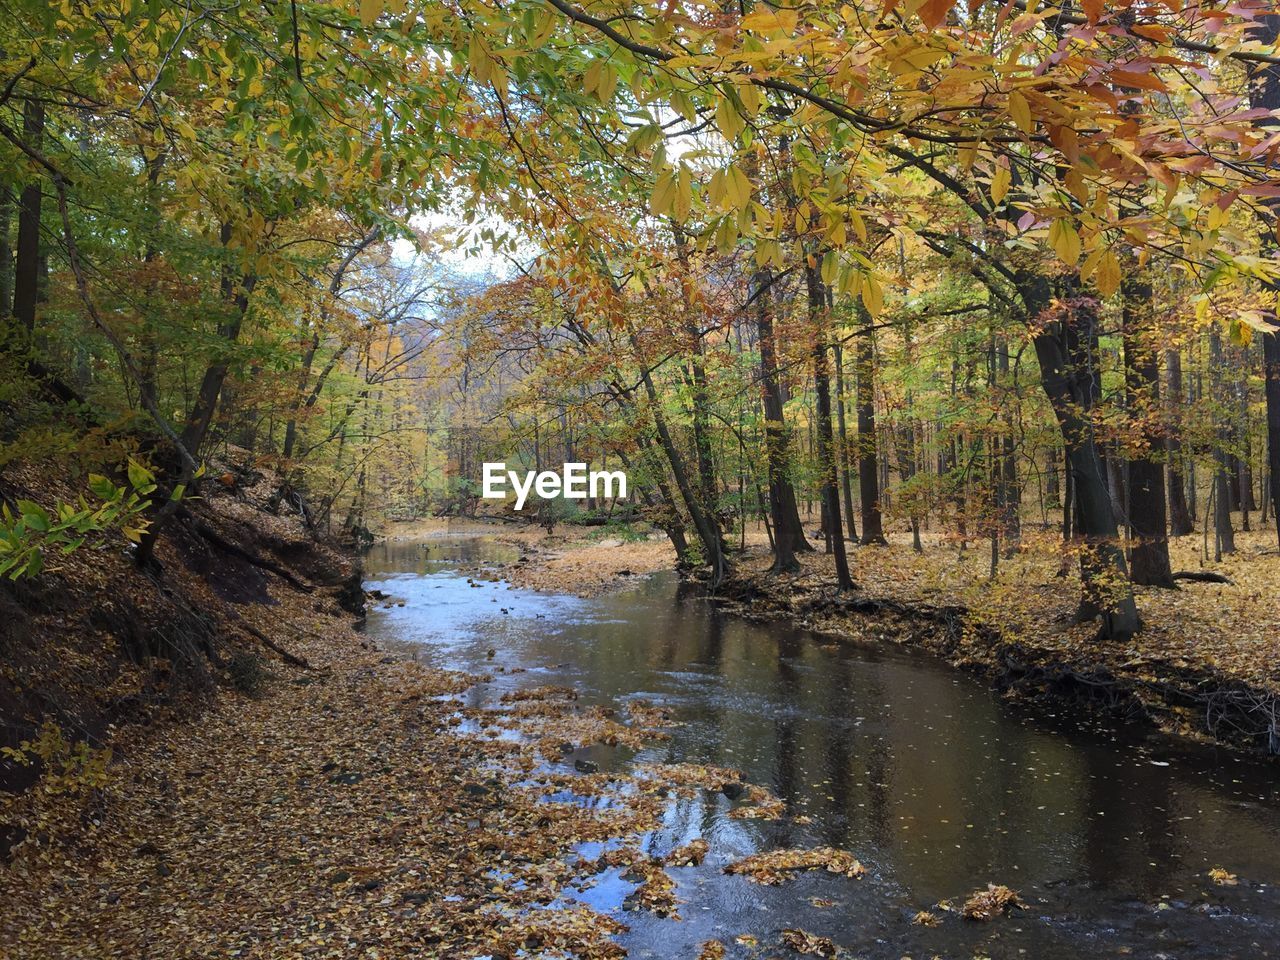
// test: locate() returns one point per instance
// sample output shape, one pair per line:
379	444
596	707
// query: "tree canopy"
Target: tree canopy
760	253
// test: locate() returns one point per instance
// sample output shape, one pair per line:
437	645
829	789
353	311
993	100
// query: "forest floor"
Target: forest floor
340	813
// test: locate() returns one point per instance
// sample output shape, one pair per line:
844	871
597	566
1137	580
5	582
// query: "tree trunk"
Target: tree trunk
826	452
1264	93
302	399
671	525
1010	489
6	251
237	300
1060	347
696	380
26	271
707	529
1271	359
1224	535
1180	522
1052	484
845	460
868	466
788	533
1149	556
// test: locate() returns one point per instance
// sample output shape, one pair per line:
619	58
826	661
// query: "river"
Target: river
924	774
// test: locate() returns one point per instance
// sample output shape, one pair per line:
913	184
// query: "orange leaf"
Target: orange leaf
934	12
1144	80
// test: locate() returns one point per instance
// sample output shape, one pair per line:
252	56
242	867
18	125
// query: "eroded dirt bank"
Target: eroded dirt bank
93	643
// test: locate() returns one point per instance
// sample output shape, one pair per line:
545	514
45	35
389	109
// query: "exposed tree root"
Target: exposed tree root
225	545
1203	576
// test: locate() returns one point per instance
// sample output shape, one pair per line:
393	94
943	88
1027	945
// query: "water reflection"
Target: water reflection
924	774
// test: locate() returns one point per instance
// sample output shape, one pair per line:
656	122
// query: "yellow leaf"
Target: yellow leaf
1108	277
1000	182
370	11
478	56
727	120
830	264
859	227
726	235
1091	264
1065	242
684	193
872	294
543	32
738	186
608	83
1020	111
683	105
591	76
761	19
664	192
717	189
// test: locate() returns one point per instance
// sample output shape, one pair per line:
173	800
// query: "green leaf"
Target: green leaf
36	517
139	476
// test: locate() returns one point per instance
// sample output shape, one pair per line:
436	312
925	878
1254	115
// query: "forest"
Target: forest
942	328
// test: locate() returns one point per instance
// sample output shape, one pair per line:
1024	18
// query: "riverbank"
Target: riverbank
341	812
311	795
1206	665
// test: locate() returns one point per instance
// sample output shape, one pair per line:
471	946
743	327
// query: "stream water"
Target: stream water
926	776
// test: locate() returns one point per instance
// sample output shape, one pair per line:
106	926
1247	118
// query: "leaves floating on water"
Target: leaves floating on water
775	866
547	692
926	918
690	855
808	943
995	901
657	891
761	805
1223	878
711	950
